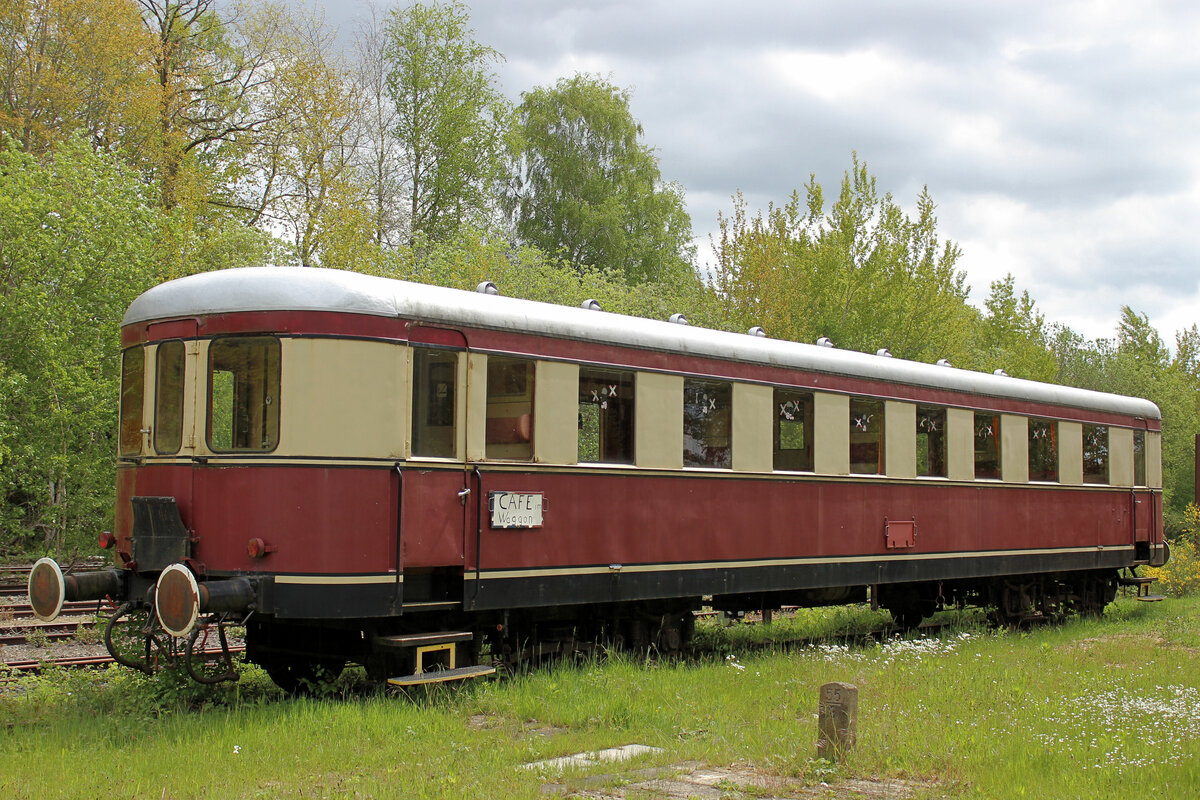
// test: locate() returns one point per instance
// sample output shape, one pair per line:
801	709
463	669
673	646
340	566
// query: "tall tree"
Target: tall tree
75	67
1012	335
380	162
451	118
209	75
586	188
300	175
864	273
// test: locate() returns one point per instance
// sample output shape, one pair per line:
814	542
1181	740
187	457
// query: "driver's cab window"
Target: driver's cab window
243	394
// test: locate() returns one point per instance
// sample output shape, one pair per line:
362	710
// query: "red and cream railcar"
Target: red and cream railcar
397	474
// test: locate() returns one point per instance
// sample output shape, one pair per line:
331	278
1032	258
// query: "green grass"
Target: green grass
1093	708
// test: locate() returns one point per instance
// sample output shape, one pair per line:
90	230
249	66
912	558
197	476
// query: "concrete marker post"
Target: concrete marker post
837	720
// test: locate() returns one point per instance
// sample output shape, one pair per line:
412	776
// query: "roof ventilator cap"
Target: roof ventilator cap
678	319
757	330
944	362
487	287
883	352
591	304
825	341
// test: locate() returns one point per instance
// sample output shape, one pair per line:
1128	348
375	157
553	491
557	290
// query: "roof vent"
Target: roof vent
591	304
487	287
825	341
757	330
678	319
944	362
883	352
1001	373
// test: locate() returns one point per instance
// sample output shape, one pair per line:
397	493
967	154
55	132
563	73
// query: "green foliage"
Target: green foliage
1181	574
586	188
78	241
471	257
451	117
1012	335
864	273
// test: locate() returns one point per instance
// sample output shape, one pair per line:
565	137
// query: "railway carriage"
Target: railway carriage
368	470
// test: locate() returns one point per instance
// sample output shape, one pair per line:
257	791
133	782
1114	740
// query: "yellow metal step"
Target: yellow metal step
443	675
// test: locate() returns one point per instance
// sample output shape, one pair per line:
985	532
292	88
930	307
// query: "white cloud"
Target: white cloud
842	78
1061	141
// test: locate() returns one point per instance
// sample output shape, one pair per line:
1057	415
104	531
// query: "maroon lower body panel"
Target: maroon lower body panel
621	535
699	517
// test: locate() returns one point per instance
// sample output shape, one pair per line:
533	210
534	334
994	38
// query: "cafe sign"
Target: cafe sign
516	509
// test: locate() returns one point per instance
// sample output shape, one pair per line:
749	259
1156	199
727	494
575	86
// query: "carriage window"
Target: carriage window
433	411
866	436
793	431
707	407
168	397
1139	458
133	367
509	408
243	394
605	417
987	446
1095	454
1043	450
931	442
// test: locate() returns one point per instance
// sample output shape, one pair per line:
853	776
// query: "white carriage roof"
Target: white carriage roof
306	289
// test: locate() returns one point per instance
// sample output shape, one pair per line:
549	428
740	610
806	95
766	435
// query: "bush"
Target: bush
1181	575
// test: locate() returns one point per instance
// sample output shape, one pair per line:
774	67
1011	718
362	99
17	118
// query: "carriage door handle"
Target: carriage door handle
464	494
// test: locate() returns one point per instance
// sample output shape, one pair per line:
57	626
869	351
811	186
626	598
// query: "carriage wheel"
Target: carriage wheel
300	676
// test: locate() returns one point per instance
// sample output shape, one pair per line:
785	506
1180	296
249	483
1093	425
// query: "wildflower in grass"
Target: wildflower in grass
1129	729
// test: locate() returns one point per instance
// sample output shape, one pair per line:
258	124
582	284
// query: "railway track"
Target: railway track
34	632
32	665
22	611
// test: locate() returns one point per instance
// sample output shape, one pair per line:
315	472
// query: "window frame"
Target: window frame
782	396
993	419
1105	458
133	398
527	395
1055	451
944	435
628	422
162	349
420	349
881	435
277	347
1140	459
721	387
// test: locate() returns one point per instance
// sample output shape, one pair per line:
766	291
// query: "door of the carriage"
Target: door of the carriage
436	489
176	386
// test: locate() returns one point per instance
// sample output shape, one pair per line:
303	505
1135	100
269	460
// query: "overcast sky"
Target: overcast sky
1059	140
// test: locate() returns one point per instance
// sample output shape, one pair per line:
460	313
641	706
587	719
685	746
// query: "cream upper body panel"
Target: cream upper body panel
343	398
